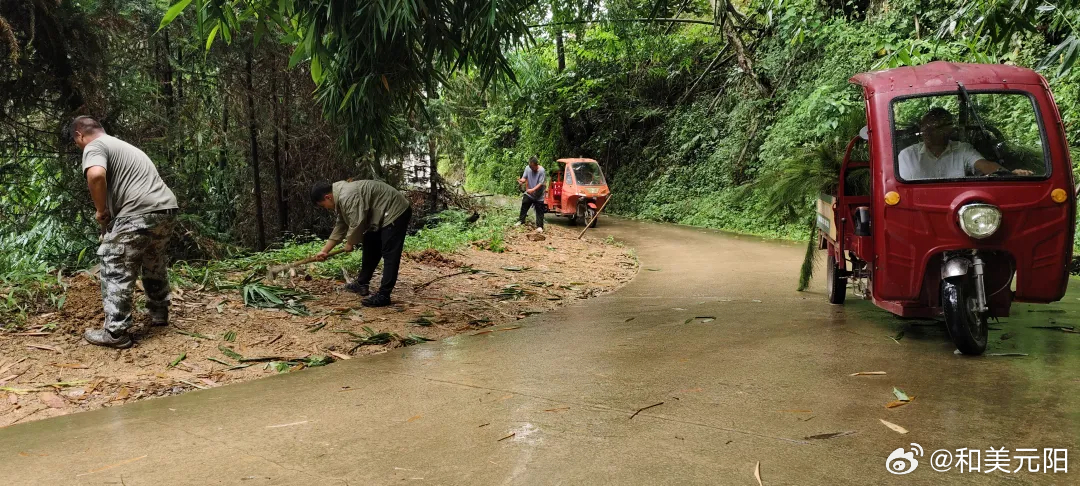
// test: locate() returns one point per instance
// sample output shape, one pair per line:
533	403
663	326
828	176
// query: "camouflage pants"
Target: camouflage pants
135	245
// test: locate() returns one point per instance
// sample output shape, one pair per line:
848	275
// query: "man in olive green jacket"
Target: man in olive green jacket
375	215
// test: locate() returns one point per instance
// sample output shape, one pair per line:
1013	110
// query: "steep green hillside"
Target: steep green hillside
723	128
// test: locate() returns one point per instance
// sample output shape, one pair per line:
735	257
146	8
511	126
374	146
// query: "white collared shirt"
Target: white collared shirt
916	162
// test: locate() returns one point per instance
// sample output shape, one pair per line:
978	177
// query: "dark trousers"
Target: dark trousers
538	208
385	244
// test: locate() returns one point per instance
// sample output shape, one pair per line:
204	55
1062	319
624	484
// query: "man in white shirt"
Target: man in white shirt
938	157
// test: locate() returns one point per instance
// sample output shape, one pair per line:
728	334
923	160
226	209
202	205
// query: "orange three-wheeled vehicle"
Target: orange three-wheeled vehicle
578	190
956	199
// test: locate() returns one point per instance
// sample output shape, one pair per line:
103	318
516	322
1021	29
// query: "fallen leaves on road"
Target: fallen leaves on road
122	394
830	435
287	425
414	418
893	426
897	403
338	355
900	395
560	409
173	363
1069	329
867	373
757	473
507	437
52	400
45	348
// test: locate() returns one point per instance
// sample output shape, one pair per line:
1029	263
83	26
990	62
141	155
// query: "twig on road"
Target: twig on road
645	408
436	279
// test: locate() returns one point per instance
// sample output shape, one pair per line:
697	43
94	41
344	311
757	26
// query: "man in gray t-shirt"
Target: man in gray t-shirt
135	210
533	180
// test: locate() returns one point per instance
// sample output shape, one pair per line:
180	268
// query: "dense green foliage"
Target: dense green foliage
736	128
238	129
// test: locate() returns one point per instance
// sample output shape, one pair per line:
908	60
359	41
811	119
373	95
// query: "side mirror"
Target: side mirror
864	133
862	221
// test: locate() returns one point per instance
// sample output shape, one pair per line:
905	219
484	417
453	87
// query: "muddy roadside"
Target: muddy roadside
47	369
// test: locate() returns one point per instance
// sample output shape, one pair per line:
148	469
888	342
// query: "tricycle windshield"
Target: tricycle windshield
968	136
588	174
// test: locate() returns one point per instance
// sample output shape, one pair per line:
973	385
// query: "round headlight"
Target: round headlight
979	220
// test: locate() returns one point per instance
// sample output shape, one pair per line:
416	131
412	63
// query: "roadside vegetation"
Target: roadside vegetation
25	292
731	116
740	127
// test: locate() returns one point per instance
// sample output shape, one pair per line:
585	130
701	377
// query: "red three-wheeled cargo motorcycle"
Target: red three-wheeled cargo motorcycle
962	202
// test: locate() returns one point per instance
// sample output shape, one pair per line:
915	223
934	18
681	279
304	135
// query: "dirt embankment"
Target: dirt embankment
48	370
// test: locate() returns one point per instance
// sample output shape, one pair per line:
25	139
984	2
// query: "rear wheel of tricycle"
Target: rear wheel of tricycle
967	326
836	282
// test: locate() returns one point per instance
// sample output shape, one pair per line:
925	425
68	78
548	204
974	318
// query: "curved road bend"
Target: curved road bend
551	403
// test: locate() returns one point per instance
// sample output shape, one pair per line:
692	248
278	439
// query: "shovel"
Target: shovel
272	272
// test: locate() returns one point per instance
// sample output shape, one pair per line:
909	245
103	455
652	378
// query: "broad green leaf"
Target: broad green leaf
298	54
260	31
903	55
348	95
213	34
900	395
173	12
316	69
1070	55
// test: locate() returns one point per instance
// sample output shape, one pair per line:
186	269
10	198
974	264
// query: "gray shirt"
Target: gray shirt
533	179
133	182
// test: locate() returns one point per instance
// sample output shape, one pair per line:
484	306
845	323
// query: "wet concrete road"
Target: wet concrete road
552	402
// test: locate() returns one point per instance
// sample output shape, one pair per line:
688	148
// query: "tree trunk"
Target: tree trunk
287	113
433	174
745	63
51	45
180	74
260	232
223	156
279	190
560	50
377	171
165	78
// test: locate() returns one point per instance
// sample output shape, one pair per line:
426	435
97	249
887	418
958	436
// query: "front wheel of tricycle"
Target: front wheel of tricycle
836	283
967	326
590	215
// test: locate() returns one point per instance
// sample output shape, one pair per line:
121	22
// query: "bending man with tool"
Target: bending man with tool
136	211
375	215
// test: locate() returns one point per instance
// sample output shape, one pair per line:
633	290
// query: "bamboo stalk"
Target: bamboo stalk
597	215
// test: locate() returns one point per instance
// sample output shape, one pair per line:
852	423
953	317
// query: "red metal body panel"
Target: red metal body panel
1035	231
563	198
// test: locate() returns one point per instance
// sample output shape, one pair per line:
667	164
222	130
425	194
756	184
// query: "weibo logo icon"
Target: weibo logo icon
903	462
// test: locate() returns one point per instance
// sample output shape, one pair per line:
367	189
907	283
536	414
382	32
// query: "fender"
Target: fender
592	204
955	267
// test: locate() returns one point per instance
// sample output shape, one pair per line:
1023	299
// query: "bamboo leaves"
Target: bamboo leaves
263	296
173	11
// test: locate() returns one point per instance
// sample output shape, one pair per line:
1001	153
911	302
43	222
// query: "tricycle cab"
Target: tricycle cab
970	186
578	189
